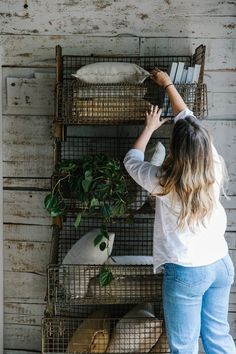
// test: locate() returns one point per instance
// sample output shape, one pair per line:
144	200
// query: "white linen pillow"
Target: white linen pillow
155	154
111	73
137	331
130	260
76	279
84	251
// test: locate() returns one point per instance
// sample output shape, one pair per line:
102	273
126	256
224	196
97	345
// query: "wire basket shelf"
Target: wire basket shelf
132	236
104	334
122	104
79	284
80	103
73	148
71	284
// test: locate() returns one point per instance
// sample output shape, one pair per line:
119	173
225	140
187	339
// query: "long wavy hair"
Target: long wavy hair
188	171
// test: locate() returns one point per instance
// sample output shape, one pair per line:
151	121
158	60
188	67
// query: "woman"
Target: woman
189	229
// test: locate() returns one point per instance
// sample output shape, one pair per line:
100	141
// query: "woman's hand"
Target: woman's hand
160	77
153	120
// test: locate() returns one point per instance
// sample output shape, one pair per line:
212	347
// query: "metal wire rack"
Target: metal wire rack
132	236
71	284
73	147
94	334
79	103
79	284
116	147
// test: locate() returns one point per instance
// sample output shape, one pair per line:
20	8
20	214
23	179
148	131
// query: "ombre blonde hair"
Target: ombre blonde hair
188	171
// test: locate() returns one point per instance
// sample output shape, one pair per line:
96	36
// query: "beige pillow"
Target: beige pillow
162	345
125	288
111	73
92	335
137	331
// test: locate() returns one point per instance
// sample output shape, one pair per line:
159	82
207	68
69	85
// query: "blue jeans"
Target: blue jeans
195	301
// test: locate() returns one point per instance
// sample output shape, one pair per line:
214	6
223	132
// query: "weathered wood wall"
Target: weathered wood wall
30	30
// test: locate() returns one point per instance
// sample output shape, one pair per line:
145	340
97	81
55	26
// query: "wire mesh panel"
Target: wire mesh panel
122	104
106	104
132	236
70	284
74	147
71	63
104	334
80	284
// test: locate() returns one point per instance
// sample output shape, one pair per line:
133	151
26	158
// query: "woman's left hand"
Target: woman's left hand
153	120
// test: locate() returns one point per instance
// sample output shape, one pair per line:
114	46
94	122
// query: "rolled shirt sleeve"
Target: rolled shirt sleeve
183	114
144	173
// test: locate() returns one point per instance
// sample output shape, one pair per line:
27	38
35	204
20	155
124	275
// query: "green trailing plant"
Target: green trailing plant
99	184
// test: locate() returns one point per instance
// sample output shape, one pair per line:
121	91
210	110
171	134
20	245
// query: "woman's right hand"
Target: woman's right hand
160	77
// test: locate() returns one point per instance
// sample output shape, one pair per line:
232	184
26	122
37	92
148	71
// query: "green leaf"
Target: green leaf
50	201
77	220
106	211
97	239
86	183
56	212
105	277
67	166
94	202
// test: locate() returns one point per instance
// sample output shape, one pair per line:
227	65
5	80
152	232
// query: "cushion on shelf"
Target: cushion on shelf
161	345
92	335
125	287
105	108
76	279
137	331
111	73
84	251
109	91
155	154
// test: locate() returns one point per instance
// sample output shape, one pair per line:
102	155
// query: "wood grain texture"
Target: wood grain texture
25	207
15	258
21	50
20	232
219	53
111	18
39	51
26	314
31	287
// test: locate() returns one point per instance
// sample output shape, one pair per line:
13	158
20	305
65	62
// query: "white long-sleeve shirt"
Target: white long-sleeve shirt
171	245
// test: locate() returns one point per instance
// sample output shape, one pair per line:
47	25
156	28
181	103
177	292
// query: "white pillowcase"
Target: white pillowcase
84	251
76	279
137	331
156	154
111	73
